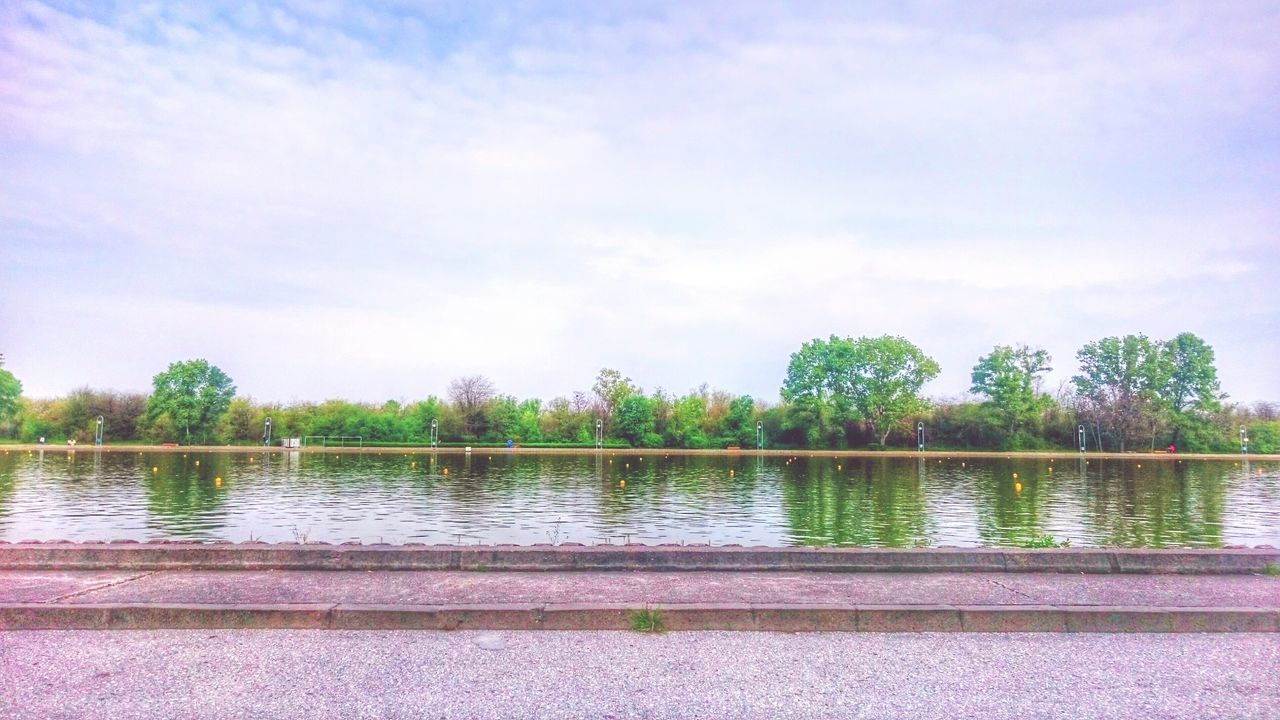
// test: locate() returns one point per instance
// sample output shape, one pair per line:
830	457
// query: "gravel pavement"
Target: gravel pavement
311	674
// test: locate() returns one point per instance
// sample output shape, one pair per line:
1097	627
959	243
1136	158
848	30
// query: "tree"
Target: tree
10	391
877	380
611	388
1010	378
194	395
1117	384
1188	381
635	421
471	395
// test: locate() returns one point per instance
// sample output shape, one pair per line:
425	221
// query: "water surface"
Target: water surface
506	498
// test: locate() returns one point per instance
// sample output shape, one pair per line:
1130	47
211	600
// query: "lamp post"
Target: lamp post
266	433
599	434
1244	441
920	436
759	435
97	432
1080	436
435	433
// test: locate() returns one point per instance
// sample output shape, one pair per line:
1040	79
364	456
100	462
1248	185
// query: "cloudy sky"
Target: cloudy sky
332	199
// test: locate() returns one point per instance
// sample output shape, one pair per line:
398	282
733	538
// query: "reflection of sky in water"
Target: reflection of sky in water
496	498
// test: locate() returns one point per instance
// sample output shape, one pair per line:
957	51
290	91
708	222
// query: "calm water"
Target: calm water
584	498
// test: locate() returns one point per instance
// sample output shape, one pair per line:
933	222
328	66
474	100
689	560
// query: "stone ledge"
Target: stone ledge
730	616
169	555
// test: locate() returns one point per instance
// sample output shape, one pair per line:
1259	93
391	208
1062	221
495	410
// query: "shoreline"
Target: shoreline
478	449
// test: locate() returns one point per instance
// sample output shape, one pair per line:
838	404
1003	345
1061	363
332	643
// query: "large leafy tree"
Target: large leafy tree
193	395
611	388
876	380
1010	378
1187	383
1118	384
634	422
10	391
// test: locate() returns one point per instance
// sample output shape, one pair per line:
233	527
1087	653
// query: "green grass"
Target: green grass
1271	570
647	620
1044	541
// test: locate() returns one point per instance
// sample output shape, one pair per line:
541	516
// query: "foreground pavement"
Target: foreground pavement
380	674
594	600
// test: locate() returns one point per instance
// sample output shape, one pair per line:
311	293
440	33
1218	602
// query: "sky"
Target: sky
337	199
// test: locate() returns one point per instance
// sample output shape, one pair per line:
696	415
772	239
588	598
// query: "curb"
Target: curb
745	617
166	555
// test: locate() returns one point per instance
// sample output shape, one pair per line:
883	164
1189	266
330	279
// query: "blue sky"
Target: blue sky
331	199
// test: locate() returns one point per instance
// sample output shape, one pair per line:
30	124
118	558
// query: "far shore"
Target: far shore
478	450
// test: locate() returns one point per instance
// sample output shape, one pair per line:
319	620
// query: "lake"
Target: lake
499	497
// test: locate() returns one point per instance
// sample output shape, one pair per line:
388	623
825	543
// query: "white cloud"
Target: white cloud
683	194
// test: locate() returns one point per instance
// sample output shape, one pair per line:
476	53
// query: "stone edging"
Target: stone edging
165	555
782	618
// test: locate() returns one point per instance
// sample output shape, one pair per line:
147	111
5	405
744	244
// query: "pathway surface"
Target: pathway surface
259	587
192	675
597	600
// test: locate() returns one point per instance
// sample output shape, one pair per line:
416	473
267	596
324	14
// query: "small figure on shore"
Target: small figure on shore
1171	449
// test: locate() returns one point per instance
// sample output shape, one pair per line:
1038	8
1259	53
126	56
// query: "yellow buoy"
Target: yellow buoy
626	466
1017	487
839	467
1139	464
217	482
622	483
730	472
155	469
445	471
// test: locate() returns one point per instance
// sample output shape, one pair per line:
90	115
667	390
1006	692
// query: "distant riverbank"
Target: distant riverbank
490	450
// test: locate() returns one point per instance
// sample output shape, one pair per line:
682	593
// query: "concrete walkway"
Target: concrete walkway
305	675
778	600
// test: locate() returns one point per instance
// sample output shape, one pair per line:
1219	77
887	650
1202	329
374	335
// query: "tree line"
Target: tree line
1130	393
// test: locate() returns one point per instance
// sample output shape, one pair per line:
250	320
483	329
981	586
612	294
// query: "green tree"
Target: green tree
10	391
740	423
1187	384
611	389
878	379
194	395
634	422
1118	383
1009	377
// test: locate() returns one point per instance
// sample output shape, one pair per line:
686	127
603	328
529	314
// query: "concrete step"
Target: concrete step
686	600
160	555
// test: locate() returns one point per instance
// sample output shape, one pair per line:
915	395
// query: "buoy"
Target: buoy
1017	487
197	462
1015	476
445	471
626	466
839	467
730	472
217	482
1139	464
155	469
622	483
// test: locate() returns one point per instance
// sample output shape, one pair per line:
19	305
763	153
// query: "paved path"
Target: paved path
588	600
637	588
180	675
